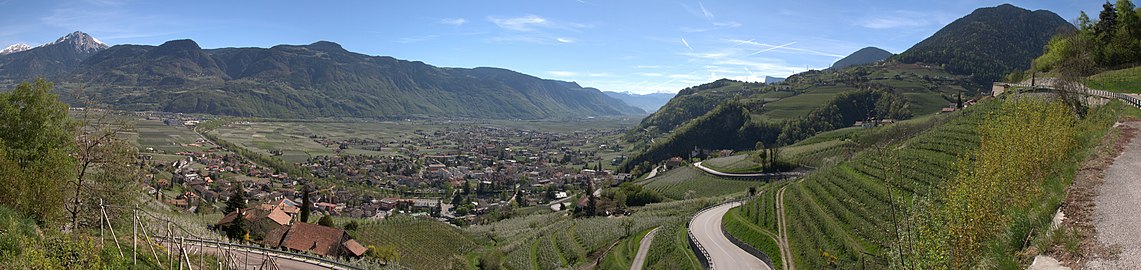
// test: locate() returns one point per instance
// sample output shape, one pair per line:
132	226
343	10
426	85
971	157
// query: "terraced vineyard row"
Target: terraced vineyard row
552	241
841	216
687	183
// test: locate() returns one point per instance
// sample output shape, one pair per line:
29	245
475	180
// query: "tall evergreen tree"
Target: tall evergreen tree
1106	24
237	201
306	204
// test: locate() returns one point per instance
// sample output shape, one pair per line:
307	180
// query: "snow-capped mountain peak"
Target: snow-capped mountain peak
82	42
15	48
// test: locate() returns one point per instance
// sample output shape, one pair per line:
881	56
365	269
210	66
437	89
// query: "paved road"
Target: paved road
643	250
1117	210
251	260
717	173
706	227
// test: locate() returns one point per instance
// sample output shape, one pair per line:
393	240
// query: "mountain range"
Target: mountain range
647	102
321	79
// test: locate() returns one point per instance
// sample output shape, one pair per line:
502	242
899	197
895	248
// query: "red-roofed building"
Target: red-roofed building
316	239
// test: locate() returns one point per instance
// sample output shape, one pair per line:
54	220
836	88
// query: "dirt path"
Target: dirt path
1117	210
782	233
643	250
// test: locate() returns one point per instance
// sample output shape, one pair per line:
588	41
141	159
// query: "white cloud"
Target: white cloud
904	19
559	73
524	23
686	43
565	40
649	74
453	21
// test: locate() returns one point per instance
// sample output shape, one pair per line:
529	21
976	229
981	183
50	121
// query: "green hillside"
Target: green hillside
988	43
737	115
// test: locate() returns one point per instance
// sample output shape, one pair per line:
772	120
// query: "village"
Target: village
459	174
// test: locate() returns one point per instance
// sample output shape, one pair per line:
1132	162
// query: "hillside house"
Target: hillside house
316	239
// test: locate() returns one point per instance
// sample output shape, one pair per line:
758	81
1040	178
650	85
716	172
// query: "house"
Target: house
673	162
316	239
260	220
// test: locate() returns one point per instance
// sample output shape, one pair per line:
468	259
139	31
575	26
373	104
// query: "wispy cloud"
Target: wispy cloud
686	43
525	23
904	19
563	74
708	15
453	21
407	40
564	40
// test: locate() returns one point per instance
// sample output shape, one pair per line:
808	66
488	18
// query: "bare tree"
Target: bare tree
106	163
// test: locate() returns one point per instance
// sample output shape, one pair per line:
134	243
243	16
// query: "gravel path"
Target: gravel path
1117	214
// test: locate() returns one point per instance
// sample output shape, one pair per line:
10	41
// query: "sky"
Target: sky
636	46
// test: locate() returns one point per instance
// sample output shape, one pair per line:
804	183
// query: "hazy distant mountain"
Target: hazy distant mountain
15	48
770	79
989	42
647	102
322	79
50	59
863	56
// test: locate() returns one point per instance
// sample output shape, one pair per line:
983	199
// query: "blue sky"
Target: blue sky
637	46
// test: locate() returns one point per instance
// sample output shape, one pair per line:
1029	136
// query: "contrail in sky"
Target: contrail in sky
773	48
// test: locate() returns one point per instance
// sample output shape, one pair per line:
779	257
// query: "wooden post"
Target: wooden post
135	236
112	229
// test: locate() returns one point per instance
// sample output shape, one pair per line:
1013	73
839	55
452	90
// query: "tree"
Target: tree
1106	24
306	203
237	230
1083	21
326	221
352	225
385	253
236	201
35	142
106	167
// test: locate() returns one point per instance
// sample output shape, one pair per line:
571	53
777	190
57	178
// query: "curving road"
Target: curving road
722	174
643	250
706	228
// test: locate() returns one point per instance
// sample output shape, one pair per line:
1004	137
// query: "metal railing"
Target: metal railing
1129	99
299	257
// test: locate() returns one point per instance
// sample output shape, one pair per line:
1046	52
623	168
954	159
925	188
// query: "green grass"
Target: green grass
1122	80
543	241
741	163
687	183
670	249
622	255
422	243
796	106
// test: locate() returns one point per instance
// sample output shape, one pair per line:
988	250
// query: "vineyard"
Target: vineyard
422	243
840	214
622	254
550	241
687	183
850	215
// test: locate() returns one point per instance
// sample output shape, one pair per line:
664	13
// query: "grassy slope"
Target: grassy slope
1123	80
740	227
687	182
